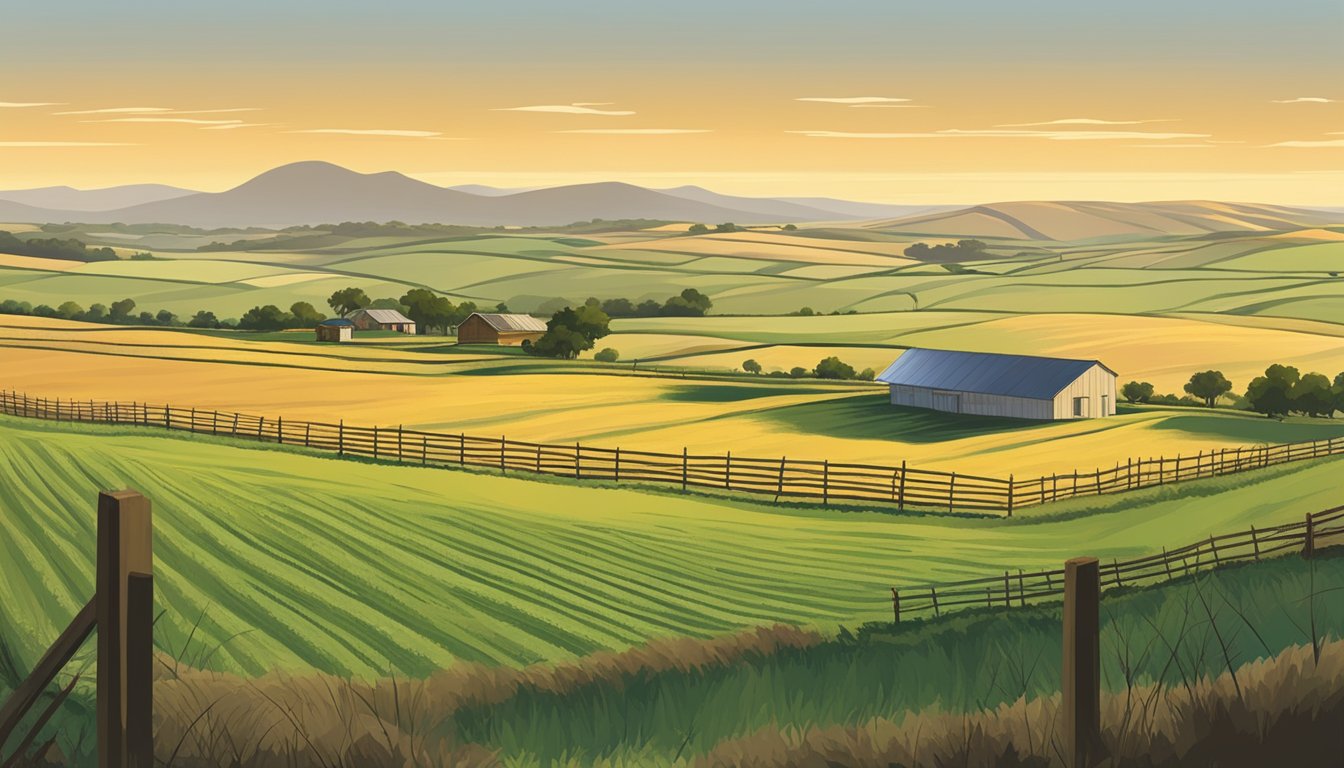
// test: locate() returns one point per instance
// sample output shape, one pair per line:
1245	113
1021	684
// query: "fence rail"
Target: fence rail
899	486
1316	531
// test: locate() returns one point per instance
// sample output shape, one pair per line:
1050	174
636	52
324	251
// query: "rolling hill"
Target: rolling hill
1064	221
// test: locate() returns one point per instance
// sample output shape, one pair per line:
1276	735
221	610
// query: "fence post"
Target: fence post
167	418
1081	669
825	482
900	498
503	444
1011	486
375	443
401	428
896	605
1255	544
616	471
683	469
340	438
779	488
728	471
280	430
1309	544
124	606
462	449
951	488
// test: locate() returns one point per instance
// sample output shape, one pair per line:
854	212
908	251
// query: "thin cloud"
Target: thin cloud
178	120
854	101
1083	121
637	131
1311	144
1304	100
372	132
116	111
24	144
230	126
954	133
1173	146
580	108
22	104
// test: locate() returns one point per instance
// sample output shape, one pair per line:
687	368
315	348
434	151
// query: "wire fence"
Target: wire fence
899	486
1317	531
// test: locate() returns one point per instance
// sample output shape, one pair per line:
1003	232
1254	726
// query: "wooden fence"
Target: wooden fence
899	486
1015	588
122	611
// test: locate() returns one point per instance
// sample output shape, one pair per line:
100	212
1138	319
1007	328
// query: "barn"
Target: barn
1015	386
336	329
504	330
381	320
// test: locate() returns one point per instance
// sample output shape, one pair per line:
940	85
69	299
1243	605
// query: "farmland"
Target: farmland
359	568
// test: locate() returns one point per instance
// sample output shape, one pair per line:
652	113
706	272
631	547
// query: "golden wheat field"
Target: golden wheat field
426	382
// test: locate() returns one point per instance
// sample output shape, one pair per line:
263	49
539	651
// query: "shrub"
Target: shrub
607	355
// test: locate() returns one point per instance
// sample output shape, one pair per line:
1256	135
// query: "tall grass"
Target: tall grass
782	696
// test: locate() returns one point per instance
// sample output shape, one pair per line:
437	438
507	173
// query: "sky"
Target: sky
893	101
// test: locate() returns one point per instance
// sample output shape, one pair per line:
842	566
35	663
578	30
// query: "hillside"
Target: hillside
1063	221
367	568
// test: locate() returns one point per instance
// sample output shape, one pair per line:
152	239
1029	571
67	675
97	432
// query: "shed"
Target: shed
1014	386
336	329
381	320
501	329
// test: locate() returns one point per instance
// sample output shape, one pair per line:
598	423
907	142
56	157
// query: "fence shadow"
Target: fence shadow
873	417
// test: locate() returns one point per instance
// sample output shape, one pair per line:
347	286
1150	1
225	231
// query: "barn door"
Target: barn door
947	401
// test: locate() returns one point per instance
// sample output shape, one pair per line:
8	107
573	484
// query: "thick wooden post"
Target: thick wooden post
896	605
1081	672
1012	484
826	482
125	644
900	490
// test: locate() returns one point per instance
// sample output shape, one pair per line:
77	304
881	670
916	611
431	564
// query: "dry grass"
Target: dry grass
208	719
1281	711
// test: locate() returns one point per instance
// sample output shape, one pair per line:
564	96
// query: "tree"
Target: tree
833	368
806	312
751	366
347	300
571	331
203	319
1209	386
797	372
698	229
501	308
648	308
70	310
267	318
1271	394
97	313
428	310
618	308
305	314
690	303
867	374
607	355
726	227
790	227
164	317
1313	395
120	310
1137	392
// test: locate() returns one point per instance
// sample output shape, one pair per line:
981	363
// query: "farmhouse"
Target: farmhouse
381	320
1016	386
336	329
504	330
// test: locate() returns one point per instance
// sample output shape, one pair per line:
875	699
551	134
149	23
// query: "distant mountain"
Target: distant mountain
803	208
318	193
1043	220
486	191
107	199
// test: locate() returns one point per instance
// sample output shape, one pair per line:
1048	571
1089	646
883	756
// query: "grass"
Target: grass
360	569
775	696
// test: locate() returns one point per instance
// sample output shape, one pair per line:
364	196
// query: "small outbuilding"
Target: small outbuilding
1013	386
336	329
504	330
381	320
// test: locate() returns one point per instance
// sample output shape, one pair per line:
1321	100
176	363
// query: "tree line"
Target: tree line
54	248
1282	390
828	368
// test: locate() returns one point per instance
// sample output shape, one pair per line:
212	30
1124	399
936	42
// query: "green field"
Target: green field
362	569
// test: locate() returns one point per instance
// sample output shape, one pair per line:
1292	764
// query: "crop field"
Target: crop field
278	560
428	382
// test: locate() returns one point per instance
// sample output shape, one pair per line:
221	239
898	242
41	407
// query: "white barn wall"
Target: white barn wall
1094	383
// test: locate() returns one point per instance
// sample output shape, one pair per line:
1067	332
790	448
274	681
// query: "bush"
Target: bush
751	366
607	355
833	368
1137	392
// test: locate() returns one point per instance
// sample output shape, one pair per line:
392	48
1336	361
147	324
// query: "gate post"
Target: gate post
125	616
1081	673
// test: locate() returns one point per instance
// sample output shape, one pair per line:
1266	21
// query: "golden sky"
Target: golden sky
899	102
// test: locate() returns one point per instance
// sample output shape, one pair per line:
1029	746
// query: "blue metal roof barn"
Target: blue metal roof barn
991	384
